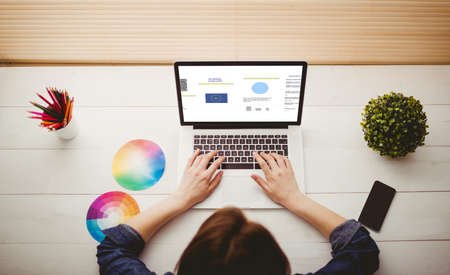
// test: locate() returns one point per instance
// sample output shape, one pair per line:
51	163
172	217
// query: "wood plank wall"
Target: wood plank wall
321	32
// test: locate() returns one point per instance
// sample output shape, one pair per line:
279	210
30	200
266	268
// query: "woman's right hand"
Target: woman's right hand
198	182
279	184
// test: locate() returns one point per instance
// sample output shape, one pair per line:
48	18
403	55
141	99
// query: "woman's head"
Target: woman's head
228	243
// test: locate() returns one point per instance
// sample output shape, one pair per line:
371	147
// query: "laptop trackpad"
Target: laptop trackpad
242	191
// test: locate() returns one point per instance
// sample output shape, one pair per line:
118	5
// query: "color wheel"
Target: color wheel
109	210
138	164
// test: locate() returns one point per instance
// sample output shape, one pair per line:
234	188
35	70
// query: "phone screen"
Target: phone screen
377	205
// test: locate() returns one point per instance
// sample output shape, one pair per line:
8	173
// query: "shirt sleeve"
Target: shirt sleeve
118	253
354	251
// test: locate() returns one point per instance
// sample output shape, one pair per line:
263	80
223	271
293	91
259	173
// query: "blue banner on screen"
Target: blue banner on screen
216	98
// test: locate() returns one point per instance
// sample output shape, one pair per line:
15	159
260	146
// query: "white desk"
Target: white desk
43	227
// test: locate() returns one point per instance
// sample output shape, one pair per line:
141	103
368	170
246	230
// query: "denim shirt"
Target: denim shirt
354	252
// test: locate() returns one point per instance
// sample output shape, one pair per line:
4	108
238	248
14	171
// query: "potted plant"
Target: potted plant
394	124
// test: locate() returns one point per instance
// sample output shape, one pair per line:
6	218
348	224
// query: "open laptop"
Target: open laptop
236	108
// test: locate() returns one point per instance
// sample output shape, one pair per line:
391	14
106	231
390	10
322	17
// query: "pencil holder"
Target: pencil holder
68	132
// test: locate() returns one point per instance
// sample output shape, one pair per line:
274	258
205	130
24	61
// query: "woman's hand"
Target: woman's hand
280	184
196	184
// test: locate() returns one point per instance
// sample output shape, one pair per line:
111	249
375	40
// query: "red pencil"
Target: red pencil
64	102
54	126
52	95
43	118
43	98
36	113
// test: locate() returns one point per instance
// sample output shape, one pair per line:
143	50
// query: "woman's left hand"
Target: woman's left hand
196	184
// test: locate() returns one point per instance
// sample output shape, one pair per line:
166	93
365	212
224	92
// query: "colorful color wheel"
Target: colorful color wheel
109	210
138	164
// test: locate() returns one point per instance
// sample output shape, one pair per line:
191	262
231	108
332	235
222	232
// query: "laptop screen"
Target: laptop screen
236	93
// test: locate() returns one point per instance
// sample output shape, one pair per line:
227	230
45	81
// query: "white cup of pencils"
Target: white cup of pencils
57	116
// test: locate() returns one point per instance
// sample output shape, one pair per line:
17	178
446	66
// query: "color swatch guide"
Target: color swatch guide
109	210
138	164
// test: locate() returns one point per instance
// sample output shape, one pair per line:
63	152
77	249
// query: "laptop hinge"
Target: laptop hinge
240	126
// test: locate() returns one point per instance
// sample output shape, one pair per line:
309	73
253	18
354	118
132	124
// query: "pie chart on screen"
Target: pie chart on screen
260	88
109	210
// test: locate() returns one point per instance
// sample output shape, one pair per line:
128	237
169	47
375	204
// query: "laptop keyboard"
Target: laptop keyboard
238	149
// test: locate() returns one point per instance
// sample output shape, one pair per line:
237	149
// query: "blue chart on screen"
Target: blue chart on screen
216	98
260	88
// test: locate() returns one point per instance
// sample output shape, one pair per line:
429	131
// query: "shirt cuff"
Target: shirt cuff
125	236
343	234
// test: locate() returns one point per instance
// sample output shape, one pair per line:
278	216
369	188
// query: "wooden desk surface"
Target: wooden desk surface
43	227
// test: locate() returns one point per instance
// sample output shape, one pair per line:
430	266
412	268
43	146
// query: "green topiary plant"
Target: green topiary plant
394	124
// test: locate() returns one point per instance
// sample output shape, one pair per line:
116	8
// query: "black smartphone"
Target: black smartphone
377	205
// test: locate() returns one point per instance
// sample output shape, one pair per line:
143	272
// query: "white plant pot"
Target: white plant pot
68	132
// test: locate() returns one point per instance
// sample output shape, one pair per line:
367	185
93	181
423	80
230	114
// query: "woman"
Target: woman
228	243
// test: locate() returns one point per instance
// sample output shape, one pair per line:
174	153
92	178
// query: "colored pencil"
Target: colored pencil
67	112
58	112
53	97
43	98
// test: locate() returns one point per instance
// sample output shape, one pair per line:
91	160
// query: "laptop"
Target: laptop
236	108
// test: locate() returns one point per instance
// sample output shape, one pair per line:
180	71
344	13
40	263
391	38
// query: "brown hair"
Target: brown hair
228	243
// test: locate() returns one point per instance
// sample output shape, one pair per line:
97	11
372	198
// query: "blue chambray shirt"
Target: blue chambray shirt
354	252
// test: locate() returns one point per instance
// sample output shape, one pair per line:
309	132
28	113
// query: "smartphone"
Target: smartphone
377	205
